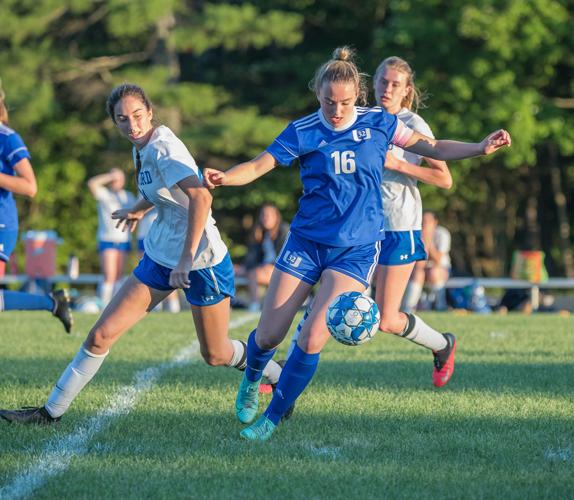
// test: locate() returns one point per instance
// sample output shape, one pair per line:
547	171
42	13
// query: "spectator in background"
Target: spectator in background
113	243
265	241
435	271
17	177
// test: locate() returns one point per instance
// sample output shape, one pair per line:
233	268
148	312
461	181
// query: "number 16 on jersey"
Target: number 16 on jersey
344	162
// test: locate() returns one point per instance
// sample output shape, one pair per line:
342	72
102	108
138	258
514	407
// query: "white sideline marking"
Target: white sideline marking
58	453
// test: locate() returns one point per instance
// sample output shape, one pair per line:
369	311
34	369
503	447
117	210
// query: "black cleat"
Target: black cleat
289	412
29	415
62	308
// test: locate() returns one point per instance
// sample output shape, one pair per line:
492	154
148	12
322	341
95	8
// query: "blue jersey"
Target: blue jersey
12	150
341	172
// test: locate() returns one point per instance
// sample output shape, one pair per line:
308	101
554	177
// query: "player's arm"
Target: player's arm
456	150
98	181
128	218
436	174
240	174
199	205
24	182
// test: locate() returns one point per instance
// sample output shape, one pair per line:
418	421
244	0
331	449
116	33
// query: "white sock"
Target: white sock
239	358
272	372
420	333
106	293
78	373
412	296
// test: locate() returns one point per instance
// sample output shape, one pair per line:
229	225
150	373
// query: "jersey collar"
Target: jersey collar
347	126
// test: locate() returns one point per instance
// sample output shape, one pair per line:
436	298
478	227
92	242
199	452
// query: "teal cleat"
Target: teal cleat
247	401
260	430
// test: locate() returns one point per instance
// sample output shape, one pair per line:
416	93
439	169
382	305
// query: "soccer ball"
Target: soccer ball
353	318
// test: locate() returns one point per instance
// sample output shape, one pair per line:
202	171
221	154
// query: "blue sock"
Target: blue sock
257	359
25	301
296	375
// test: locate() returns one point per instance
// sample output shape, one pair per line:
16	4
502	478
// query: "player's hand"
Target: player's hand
179	276
213	178
127	219
493	142
392	162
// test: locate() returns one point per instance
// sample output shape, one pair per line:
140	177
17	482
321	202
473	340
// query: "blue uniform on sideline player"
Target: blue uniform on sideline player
183	249
336	234
17	177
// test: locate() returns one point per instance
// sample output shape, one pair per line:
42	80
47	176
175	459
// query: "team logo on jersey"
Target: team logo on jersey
362	135
144	178
322	143
292	259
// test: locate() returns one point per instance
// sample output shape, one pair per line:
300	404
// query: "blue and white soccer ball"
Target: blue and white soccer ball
353	318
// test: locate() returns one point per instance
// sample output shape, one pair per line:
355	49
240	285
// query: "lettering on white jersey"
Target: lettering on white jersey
292	258
362	135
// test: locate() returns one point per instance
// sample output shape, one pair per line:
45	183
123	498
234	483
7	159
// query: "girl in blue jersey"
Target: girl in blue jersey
17	177
335	235
183	249
403	245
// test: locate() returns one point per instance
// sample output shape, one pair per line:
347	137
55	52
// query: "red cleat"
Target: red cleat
444	362
265	388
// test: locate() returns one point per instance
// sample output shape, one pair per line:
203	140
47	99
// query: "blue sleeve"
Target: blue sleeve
285	148
15	149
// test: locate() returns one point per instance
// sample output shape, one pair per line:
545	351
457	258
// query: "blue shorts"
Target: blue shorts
208	286
8	240
402	247
306	259
107	245
141	247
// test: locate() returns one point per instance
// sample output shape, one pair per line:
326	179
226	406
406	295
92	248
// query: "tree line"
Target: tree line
228	76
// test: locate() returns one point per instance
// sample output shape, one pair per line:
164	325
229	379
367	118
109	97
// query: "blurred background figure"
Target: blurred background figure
171	302
113	243
265	241
435	271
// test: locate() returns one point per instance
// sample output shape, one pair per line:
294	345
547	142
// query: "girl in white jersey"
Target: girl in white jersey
113	243
341	149
183	249
403	246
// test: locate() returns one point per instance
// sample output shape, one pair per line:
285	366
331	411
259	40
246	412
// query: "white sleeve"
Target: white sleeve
442	239
175	163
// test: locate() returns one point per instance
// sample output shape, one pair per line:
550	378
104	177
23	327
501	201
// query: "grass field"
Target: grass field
158	423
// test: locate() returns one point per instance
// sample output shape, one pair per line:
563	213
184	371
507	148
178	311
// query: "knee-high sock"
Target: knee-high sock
78	373
420	333
412	296
106	293
257	359
296	375
13	301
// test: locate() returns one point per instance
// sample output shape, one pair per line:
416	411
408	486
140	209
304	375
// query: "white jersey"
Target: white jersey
164	162
108	202
442	240
402	204
145	224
